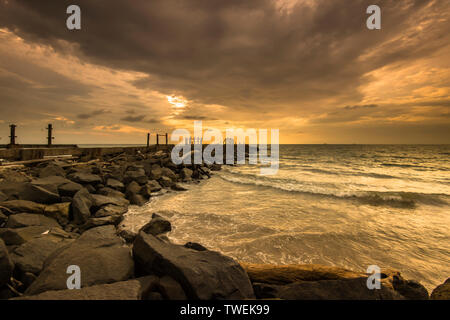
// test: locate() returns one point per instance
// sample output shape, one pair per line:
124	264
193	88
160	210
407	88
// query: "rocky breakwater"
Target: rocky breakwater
68	214
61	213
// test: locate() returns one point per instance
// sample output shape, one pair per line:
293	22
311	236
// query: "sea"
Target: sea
349	206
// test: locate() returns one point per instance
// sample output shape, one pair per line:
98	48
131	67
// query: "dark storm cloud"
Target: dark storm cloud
242	54
137	118
92	114
361	107
131	117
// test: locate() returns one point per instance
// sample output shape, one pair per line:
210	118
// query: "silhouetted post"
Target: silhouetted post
148	140
167	139
49	136
157	139
13	134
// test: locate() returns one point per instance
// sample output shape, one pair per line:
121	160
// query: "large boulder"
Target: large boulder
284	274
21	220
40	194
19	236
342	289
156	173
169	173
186	174
51	183
58	211
132	188
101	200
30	256
202	274
6	265
157	226
137	199
85	177
3	197
136	175
441	292
135	289
81	206
29	191
111	210
166	182
52	169
151	187
115	184
99	253
3	219
19	206
102	221
106	191
69	189
410	289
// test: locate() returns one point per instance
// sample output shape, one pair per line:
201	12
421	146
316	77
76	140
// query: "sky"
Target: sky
309	68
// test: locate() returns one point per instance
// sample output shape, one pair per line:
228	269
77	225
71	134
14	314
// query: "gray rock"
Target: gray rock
102	221
19	206
138	176
52	169
202	274
40	195
30	192
19	236
21	220
342	289
6	265
59	212
81	205
3	197
30	256
128	235
101	200
111	192
3	219
156	173
442	291
111	210
166	182
153	186
85	178
195	246
99	253
133	188
69	189
179	187
410	289
137	199
115	184
135	289
169	173
170	289
186	174
157	226
90	188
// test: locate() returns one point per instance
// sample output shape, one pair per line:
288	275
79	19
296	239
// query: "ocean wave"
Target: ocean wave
396	199
351	173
